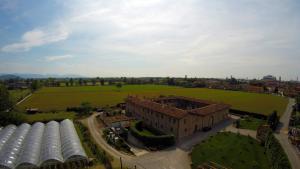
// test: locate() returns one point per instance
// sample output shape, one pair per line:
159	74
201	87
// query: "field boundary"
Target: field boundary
19	102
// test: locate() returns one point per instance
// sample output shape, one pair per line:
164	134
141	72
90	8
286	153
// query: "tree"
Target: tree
94	82
276	90
71	81
35	85
80	82
298	101
119	85
5	101
102	82
85	108
11	117
273	120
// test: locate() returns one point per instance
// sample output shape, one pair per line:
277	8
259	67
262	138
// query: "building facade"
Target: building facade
180	116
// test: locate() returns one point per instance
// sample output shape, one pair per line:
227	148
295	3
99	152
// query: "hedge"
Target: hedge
275	153
158	141
255	115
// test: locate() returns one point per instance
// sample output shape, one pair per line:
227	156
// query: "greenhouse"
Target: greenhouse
41	146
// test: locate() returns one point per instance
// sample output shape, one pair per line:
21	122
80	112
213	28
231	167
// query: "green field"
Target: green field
17	95
31	118
59	98
232	151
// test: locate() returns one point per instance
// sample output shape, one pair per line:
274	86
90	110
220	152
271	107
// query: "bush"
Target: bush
157	141
13	117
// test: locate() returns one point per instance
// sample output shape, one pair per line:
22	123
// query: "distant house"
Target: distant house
269	78
255	89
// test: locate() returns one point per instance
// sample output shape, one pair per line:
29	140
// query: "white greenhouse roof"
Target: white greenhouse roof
39	145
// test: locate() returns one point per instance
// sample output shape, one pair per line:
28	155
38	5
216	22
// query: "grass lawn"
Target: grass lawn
18	94
146	132
31	118
59	98
231	150
251	123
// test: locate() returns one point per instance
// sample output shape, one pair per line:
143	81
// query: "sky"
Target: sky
139	38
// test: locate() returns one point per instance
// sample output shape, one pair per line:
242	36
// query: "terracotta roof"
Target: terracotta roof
210	108
162	108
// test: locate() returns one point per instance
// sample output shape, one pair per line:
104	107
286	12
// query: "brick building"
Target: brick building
180	116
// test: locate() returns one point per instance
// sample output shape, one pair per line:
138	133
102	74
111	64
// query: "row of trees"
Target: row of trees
7	113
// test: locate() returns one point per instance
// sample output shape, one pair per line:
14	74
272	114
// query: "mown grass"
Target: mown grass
251	123
44	117
232	151
59	98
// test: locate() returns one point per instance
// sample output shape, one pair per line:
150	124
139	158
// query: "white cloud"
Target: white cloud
58	57
38	37
193	37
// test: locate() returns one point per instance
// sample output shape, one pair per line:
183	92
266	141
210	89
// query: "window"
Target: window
162	116
174	121
170	119
184	121
185	130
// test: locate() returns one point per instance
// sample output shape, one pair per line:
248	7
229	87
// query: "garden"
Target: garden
251	123
150	137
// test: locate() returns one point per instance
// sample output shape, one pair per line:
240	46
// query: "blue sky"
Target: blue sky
246	38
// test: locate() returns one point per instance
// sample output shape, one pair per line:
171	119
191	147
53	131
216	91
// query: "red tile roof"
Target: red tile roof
211	107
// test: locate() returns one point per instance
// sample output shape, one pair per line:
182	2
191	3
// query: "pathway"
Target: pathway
24	99
282	135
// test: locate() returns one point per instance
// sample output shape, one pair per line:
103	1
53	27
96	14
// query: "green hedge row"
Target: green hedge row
159	141
99	154
275	153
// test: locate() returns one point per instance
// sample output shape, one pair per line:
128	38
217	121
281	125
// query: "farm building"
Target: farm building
180	116
51	145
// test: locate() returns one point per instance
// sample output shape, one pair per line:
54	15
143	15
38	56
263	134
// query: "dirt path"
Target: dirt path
24	99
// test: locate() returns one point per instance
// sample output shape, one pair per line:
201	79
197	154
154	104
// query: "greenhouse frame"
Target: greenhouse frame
41	146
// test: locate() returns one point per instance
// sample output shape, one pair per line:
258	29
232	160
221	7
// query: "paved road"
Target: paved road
175	157
282	135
